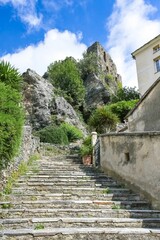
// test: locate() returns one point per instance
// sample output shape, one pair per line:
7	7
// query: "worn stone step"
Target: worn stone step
66	173
84	233
103	196
79	212
63	180
67	184
71	190
75	203
79	222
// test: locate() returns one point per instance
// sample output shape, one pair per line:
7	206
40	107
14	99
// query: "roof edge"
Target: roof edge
143	97
144	45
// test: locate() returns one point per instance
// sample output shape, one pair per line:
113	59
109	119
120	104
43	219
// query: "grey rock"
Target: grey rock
42	104
38	94
104	82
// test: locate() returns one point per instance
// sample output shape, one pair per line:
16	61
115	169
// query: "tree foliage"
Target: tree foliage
122	108
125	94
11	122
65	76
102	120
88	64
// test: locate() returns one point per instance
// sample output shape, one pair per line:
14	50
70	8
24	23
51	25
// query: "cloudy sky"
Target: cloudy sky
34	33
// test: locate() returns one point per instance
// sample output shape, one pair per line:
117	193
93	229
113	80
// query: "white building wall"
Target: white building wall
146	71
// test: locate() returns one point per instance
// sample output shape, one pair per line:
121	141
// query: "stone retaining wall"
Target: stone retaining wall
29	145
135	158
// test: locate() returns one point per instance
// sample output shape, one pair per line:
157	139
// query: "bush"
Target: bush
86	148
72	132
122	108
11	122
53	134
10	75
103	119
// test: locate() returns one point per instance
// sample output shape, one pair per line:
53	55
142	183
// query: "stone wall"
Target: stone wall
29	145
134	158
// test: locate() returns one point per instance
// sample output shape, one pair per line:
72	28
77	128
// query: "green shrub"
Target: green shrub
121	108
72	132
53	134
103	119
11	122
10	75
86	148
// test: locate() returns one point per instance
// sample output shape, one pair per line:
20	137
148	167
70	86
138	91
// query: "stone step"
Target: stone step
79	222
64	177
63	180
75	204
67	184
70	190
55	174
109	196
83	233
77	212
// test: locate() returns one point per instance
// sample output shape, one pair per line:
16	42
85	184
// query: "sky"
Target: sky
35	33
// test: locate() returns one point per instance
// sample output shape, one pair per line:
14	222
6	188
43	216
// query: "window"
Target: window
157	64
156	48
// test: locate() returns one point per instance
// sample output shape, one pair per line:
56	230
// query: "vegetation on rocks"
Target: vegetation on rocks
65	76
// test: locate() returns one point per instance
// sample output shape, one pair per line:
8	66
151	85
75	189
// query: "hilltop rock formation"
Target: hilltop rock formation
42	105
105	81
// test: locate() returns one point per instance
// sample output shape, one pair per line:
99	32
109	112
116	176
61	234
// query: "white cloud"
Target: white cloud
56	46
26	11
130	26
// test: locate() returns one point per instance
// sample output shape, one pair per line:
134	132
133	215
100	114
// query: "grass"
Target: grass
106	191
6	205
39	226
22	169
116	207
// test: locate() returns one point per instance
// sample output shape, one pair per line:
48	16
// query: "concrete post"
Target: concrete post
93	139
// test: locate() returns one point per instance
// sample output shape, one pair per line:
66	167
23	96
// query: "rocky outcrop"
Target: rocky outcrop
105	81
42	105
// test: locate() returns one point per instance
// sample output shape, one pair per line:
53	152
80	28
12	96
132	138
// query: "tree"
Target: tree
65	76
103	119
125	94
88	64
10	75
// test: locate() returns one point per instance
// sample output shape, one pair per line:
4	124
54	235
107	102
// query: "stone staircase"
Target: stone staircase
59	198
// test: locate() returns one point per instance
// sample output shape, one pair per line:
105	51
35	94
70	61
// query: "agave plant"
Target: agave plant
10	75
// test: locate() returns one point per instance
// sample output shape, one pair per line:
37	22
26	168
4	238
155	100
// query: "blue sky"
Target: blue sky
35	33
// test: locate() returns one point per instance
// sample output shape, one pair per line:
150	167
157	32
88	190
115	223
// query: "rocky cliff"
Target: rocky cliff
104	82
42	104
